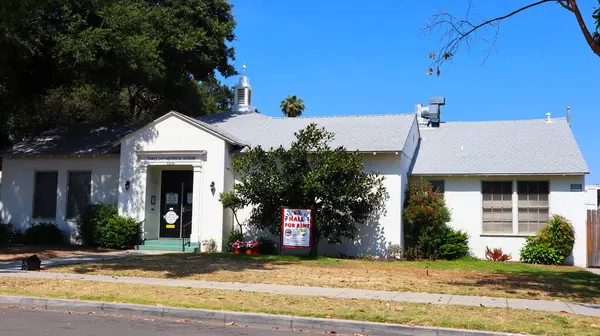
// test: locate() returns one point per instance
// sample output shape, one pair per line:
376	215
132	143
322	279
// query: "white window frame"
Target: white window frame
57	192
68	187
515	204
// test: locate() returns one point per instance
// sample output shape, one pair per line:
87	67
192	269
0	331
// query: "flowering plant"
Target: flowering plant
253	243
238	244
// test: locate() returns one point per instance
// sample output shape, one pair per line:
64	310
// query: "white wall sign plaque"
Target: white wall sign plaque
171	217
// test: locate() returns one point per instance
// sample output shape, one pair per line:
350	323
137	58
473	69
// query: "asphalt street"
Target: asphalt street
19	322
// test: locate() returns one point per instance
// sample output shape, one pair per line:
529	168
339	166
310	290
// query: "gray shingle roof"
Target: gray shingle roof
365	133
74	140
499	147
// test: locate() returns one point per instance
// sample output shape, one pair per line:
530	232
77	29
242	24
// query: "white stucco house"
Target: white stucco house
500	179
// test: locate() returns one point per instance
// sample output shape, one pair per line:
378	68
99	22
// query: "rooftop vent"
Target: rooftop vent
430	115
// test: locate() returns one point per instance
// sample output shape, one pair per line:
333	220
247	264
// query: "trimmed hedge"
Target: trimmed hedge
120	233
552	244
101	226
43	234
93	221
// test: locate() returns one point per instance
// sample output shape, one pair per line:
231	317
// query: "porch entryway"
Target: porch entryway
172	206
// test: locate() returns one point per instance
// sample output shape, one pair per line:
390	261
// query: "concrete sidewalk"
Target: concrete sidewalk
587	309
82	259
593	270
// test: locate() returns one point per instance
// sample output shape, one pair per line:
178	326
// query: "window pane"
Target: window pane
44	195
497	206
533	213
438	186
79	191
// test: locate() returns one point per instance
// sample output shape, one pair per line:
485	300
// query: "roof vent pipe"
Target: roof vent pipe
548	117
569	115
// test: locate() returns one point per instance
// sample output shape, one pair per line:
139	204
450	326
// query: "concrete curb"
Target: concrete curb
227	317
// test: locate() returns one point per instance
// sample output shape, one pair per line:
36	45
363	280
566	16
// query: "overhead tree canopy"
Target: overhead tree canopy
462	31
309	174
292	106
69	61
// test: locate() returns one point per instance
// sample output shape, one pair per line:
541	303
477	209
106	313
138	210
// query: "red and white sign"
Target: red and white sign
296	228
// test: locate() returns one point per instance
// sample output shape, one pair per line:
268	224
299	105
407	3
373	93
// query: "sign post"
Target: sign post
296	228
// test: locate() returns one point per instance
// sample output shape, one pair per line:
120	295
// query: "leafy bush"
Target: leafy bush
5	232
119	233
92	223
496	254
43	234
427	234
559	234
209	245
266	245
394	251
233	236
536	252
455	246
412	254
552	244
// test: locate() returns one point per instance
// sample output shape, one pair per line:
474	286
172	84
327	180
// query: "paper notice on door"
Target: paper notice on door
172	198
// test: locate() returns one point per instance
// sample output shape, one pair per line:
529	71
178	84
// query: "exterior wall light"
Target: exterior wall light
212	187
127	184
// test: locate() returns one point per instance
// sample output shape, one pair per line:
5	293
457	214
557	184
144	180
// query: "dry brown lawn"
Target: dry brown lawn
463	277
18	252
479	318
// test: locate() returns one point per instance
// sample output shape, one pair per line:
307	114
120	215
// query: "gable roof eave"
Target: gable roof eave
194	122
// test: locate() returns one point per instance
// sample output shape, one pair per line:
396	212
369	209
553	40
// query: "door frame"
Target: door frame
182	199
174	160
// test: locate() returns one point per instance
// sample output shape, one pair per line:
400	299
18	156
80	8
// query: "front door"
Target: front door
176	203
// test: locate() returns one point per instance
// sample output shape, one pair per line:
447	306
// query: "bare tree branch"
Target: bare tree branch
457	32
593	43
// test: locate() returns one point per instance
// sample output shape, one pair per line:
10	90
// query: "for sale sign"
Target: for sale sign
296	225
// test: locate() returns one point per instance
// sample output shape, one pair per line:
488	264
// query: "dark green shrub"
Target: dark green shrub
536	252
119	233
233	236
43	234
427	234
559	234
92	222
552	244
455	246
266	245
6	231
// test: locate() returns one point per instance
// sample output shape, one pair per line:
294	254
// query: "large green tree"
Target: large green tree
292	106
309	174
463	31
68	61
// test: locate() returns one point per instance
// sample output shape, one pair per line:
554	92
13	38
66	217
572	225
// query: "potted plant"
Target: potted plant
238	247
252	247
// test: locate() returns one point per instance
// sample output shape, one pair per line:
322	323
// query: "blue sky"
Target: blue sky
355	57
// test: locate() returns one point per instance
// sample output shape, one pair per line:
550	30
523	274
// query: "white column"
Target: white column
196	204
138	190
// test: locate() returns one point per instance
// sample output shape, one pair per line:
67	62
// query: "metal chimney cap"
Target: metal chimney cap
437	100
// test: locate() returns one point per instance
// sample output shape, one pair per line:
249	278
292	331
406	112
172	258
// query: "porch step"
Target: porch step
167	245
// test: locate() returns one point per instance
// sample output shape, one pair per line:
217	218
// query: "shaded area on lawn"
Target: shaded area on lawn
18	252
461	277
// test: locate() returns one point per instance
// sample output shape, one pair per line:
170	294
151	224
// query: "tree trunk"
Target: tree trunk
314	243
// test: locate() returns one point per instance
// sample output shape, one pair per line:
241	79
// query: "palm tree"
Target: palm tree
292	106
